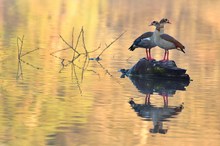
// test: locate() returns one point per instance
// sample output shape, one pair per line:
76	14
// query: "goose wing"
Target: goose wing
142	41
143	36
173	40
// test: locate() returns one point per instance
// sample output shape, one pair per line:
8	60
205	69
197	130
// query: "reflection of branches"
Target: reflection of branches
74	48
86	52
20	42
86	56
74	74
106	71
30	64
77	80
73	68
76	54
19	71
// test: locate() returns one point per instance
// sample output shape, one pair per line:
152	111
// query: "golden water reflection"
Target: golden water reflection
47	107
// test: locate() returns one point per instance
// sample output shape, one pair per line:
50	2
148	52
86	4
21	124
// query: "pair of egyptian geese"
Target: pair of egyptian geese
149	40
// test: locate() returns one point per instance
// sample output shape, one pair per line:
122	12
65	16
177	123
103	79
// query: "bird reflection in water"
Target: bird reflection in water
150	112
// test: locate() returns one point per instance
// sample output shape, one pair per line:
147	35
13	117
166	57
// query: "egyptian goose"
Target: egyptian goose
166	41
162	23
146	40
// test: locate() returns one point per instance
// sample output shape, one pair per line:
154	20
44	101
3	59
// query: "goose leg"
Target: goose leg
165	99
164	57
150	58
167	55
147	54
147	99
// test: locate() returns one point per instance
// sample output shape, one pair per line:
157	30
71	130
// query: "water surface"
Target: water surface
51	105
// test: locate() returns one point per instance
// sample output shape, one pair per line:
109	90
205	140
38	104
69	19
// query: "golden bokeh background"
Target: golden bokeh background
47	107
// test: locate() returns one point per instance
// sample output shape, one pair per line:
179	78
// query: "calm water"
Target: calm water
87	103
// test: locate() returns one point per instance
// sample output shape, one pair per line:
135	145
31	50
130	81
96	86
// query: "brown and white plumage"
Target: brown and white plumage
166	42
146	40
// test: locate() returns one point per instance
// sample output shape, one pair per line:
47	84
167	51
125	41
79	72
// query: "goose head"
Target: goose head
156	24
164	21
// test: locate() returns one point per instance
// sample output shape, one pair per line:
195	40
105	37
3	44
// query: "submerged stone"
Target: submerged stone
157	69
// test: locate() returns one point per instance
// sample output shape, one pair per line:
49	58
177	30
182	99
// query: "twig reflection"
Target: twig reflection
19	70
20	42
77	54
77	80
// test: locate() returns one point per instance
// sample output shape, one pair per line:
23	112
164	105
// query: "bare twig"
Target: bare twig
83	40
29	52
96	49
86	54
73	58
56	56
18	47
74	53
60	50
74	46
63	62
69	45
21	46
77	42
72	36
20	42
110	44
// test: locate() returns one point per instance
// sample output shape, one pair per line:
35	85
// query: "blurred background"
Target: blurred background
43	102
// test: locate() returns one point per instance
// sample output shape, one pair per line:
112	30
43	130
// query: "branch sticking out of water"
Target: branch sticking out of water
59	50
107	46
29	52
20	47
96	49
20	42
85	54
69	45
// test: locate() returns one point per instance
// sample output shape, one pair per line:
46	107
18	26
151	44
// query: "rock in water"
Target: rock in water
157	69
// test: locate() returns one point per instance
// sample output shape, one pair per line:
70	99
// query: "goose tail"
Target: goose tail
132	47
182	48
